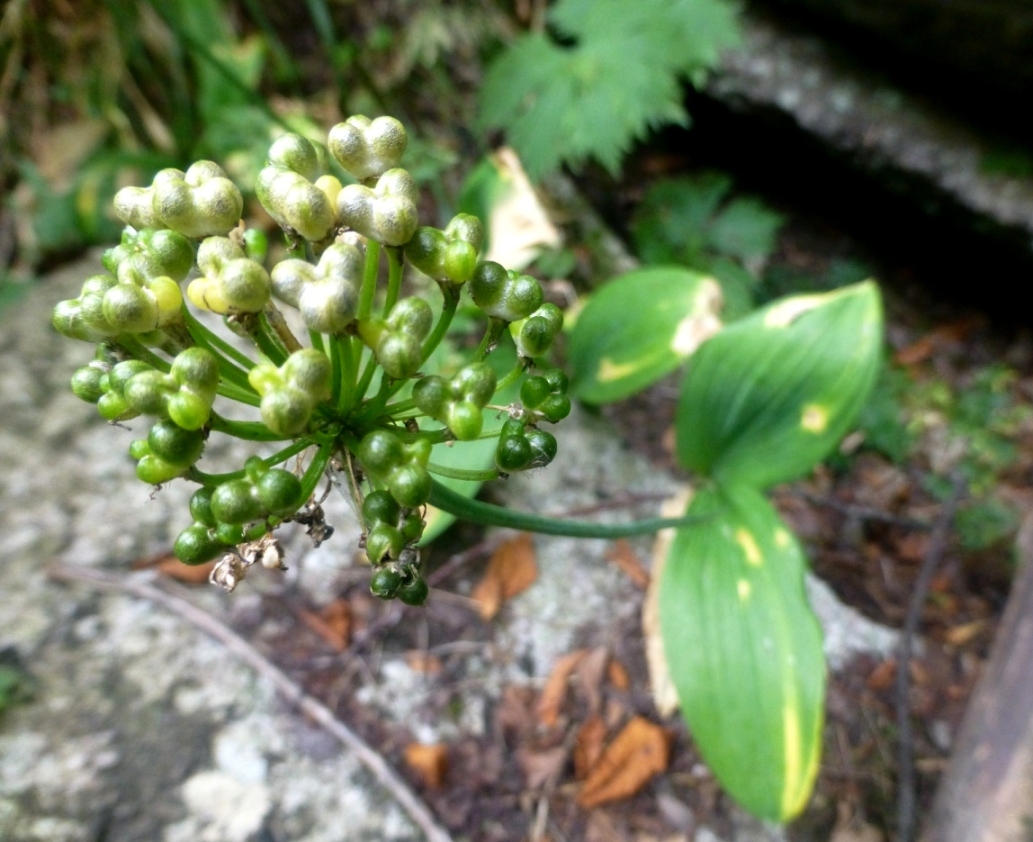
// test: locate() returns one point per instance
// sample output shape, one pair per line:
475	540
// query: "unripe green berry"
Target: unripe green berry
380	507
201	506
196	545
385	583
384	542
236	502
465	420
410	485
280	492
413	592
174	444
86	382
514	453
543	448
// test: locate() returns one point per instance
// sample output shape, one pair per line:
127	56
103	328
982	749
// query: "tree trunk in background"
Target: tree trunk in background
986	794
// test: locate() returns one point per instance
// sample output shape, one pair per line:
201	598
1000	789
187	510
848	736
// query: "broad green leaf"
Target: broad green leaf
771	394
744	650
639	327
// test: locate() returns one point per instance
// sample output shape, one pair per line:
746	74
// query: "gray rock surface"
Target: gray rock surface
897	138
143	728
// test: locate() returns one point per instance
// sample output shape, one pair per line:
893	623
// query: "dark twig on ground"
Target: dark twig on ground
291	691
905	746
861	512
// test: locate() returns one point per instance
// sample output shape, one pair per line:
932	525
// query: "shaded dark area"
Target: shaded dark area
912	234
970	56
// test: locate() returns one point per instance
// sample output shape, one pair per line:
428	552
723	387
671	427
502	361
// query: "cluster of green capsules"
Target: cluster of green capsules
354	399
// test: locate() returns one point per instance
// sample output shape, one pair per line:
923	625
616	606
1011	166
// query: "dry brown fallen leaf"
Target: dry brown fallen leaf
588	746
168	565
640	751
511	570
333	623
555	690
422	661
542	767
628	561
590	671
429	762
617	675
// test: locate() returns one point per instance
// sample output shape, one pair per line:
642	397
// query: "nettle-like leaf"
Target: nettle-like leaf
745	650
639	327
770	395
622	77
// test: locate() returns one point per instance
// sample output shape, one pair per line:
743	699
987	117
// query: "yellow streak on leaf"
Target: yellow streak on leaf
700	324
781	538
749	546
815	418
791	735
743	587
610	371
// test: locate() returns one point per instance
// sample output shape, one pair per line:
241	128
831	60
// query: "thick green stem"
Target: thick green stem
444	322
510	378
270	462
486	514
248	430
394	278
490	340
463	473
203	336
369	280
274	318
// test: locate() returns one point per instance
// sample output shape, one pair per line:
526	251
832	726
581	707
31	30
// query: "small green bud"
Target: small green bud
535	334
368	148
385	213
326	294
504	295
385	583
230	283
196	545
236	502
384	542
280	492
201	202
414	591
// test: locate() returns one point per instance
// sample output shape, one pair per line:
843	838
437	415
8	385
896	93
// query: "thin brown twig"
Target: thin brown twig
905	745
290	690
861	512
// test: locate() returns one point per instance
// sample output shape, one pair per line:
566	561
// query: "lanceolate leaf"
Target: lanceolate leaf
745	650
770	395
639	327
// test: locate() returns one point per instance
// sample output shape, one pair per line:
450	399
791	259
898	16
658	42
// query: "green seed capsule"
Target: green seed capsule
385	583
514	453
410	485
384	542
414	592
196	545
280	492
236	502
543	448
201	506
380	507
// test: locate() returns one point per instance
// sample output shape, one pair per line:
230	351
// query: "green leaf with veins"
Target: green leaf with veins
621	78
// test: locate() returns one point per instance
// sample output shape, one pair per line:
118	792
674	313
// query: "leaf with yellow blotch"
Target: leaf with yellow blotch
511	570
555	689
640	751
665	696
428	762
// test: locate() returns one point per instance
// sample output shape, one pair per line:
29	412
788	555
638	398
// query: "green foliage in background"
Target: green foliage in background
696	221
607	73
